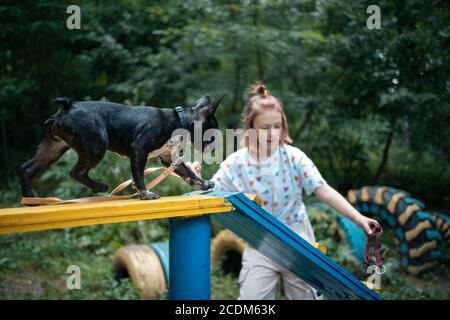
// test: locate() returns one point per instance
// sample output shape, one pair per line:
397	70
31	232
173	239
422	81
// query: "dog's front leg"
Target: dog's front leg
187	174
138	160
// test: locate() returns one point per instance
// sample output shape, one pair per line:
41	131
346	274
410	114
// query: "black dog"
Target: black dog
93	127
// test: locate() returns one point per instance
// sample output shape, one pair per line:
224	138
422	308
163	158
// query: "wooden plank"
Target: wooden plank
25	219
63	212
281	244
104	220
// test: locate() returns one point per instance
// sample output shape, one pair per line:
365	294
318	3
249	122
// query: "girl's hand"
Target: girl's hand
364	223
196	167
335	200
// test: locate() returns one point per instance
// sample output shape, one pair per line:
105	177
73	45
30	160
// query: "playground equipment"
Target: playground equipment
419	232
277	241
415	228
148	266
190	232
227	248
189	218
144	265
25	219
442	224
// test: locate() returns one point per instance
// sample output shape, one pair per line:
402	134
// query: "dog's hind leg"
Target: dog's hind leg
86	161
50	149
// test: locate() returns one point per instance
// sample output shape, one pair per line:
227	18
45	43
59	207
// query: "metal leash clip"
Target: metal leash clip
175	163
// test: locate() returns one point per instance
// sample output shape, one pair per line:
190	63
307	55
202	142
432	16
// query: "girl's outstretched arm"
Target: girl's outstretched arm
334	199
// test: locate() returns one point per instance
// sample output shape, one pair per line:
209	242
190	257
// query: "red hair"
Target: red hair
262	101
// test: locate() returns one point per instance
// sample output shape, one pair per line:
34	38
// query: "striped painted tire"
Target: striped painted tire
442	224
413	226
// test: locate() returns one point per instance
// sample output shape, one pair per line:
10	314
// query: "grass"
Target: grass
33	265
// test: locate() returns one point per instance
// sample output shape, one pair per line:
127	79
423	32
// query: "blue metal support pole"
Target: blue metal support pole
190	258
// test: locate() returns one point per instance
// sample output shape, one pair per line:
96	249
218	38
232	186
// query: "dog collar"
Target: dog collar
182	117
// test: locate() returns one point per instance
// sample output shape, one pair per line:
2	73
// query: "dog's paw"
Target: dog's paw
29	193
148	195
200	184
207	185
100	187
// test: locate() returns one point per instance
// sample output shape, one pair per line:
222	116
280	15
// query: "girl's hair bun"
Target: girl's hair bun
260	89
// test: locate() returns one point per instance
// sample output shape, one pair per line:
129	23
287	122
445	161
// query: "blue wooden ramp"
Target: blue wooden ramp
278	242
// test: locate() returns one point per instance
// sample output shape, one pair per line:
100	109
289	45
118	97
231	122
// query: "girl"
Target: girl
290	171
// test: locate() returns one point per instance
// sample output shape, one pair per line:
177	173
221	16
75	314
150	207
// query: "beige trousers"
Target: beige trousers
261	278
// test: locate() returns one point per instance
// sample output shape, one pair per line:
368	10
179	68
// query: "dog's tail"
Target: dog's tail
64	102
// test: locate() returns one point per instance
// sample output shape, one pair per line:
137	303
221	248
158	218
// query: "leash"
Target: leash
372	241
112	196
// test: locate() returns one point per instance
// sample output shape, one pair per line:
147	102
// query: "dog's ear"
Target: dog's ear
212	107
202	102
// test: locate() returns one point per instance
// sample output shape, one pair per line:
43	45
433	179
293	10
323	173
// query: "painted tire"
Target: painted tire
442	224
227	248
347	230
413	226
142	264
355	236
148	266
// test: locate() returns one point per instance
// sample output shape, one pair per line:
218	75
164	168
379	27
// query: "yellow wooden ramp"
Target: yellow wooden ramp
25	219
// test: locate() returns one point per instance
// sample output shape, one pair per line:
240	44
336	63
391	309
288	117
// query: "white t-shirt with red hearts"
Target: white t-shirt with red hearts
277	180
